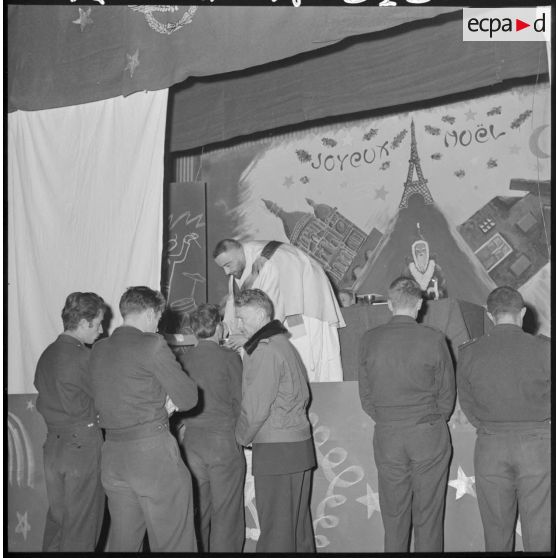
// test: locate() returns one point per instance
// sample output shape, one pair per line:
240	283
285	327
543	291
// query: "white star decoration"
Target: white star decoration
133	62
30	405
83	20
22	524
470	114
514	149
371	500
381	193
288	182
463	484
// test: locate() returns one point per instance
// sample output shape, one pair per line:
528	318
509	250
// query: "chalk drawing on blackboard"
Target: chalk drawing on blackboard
177	253
188	303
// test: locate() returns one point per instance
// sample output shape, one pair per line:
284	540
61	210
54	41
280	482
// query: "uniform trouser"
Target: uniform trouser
148	486
412	463
512	469
218	470
72	463
283	505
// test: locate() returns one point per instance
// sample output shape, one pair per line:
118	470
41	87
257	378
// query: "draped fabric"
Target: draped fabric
85	214
412	63
69	54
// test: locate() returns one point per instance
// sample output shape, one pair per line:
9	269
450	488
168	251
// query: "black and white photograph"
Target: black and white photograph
279	277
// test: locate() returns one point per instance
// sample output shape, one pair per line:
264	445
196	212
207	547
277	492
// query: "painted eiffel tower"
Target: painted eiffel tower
418	186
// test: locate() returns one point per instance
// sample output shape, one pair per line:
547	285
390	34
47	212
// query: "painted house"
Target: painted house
510	235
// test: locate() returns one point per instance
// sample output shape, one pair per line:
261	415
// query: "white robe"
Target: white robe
304	302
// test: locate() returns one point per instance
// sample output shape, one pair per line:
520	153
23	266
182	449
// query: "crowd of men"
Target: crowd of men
107	412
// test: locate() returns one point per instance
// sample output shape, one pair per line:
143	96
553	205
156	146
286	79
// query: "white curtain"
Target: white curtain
85	194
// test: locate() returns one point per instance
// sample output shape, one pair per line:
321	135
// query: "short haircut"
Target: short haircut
138	299
225	245
204	320
404	292
504	300
255	297
81	306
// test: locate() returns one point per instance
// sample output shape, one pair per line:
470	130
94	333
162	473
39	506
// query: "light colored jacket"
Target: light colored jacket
275	391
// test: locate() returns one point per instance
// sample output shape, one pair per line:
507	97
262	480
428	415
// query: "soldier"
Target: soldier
503	381
214	457
72	451
407	386
148	486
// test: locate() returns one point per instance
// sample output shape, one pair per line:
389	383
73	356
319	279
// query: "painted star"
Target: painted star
83	20
470	114
288	182
343	185
463	484
514	149
371	500
381	193
30	405
22	526
133	62
347	139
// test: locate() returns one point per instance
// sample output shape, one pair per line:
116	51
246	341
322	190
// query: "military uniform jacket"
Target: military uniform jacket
405	372
62	380
132	373
504	376
218	373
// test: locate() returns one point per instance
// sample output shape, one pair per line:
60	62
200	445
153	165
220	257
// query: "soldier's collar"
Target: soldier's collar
268	330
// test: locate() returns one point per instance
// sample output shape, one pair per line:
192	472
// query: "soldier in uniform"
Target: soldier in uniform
134	373
72	451
214	457
503	381
407	386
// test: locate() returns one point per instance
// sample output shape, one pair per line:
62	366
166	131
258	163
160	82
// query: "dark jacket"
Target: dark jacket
504	376
217	372
405	372
275	390
132	373
64	385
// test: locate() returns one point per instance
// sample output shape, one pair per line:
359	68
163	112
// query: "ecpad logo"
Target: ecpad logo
506	24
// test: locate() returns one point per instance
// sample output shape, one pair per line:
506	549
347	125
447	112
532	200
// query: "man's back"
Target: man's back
217	372
132	373
64	387
405	370
504	376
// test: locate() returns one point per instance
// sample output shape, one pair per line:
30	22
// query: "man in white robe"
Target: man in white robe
302	295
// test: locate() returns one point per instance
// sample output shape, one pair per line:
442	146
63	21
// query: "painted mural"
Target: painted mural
457	196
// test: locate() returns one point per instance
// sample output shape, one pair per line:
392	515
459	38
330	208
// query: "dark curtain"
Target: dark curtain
415	62
73	54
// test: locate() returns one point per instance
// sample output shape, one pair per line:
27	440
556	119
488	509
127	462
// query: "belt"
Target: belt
135	432
72	428
515	425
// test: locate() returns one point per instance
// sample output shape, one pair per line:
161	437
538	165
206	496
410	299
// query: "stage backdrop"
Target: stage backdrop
345	505
470	177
